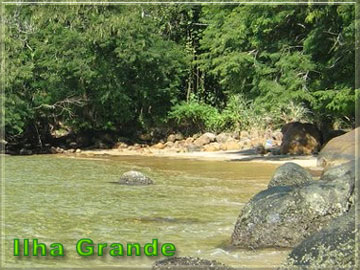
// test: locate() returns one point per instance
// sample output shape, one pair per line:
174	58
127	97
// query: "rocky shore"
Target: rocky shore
314	217
294	139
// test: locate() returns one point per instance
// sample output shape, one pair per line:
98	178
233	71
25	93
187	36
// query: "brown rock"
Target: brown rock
231	145
338	150
179	137
189	140
212	147
300	138
236	135
171	138
192	148
327	136
244	134
222	137
120	145
206	138
159	146
169	144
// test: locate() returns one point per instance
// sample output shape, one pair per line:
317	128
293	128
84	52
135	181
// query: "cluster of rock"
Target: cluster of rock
294	138
286	214
314	216
210	142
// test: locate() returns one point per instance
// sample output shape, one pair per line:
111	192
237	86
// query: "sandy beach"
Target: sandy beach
237	155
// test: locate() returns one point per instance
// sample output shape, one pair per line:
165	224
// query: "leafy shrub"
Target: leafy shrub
194	116
242	114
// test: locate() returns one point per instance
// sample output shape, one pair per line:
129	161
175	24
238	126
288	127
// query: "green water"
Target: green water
194	205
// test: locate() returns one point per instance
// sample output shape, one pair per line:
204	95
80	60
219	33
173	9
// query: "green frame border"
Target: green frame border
157	2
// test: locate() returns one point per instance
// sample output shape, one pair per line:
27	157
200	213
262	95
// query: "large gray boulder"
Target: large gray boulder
189	263
338	150
290	174
283	216
333	247
134	178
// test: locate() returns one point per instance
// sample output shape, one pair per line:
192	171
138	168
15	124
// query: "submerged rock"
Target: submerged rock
283	216
333	246
189	263
289	174
135	178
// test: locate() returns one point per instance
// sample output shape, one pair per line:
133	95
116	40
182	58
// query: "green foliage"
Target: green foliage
278	54
212	67
242	114
195	116
95	68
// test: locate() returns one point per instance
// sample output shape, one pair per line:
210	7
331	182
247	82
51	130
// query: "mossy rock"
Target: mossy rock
331	248
289	174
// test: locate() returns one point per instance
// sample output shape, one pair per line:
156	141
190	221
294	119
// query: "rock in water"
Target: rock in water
290	174
135	178
339	150
189	263
300	139
332	246
283	216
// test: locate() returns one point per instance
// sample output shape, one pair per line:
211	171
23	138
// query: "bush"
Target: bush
239	114
194	116
243	114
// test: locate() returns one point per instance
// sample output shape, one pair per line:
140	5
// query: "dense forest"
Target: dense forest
152	69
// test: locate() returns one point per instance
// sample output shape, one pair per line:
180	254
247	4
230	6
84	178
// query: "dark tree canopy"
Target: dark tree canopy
126	69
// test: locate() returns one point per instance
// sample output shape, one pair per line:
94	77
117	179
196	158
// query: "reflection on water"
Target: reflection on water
193	204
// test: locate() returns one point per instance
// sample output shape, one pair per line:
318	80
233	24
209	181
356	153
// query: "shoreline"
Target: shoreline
250	155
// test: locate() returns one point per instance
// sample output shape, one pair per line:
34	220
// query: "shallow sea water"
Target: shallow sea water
193	204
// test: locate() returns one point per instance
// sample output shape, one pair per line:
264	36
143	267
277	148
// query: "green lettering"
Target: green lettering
16	247
131	246
153	246
101	248
36	246
57	249
87	250
117	249
168	249
26	247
